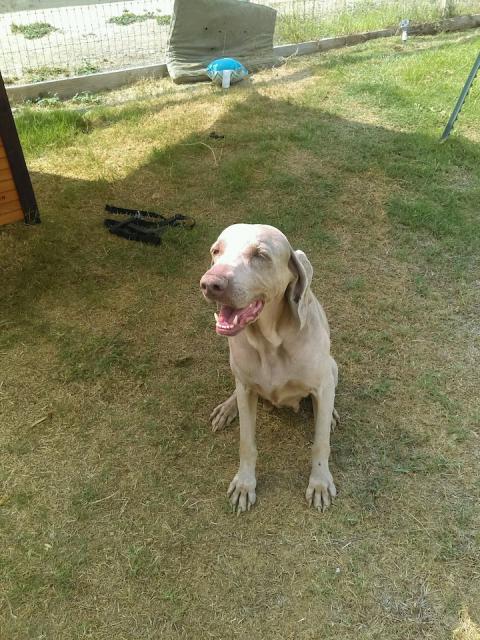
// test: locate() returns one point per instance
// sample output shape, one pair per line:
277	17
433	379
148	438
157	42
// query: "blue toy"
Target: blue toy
225	71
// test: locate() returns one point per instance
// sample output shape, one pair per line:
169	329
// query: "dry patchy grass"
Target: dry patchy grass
113	518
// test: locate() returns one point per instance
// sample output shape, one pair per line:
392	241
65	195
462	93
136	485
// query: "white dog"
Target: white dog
279	346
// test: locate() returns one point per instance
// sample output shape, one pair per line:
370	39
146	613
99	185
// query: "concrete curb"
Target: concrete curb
325	44
105	80
94	82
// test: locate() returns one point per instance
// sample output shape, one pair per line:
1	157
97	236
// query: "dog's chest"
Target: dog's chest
272	373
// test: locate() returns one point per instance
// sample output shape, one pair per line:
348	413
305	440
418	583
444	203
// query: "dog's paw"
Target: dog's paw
321	490
242	492
224	414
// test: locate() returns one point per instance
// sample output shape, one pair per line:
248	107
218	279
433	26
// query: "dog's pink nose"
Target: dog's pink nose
213	285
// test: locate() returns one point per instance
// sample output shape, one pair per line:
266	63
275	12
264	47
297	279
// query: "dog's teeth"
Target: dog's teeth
215	315
235	321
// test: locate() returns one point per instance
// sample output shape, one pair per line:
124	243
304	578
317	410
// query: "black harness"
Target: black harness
144	226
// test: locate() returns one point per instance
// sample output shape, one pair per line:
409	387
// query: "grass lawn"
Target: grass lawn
114	522
304	21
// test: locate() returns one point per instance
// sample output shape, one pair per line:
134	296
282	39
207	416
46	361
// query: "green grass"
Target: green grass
33	30
113	517
87	98
41	130
44	72
10	79
164	20
87	67
303	24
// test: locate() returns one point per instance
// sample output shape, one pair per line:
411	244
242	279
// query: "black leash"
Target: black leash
138	227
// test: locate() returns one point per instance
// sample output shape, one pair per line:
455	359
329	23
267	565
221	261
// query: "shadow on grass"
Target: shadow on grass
254	180
291	168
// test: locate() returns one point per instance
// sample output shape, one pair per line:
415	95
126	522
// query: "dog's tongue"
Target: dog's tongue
231	321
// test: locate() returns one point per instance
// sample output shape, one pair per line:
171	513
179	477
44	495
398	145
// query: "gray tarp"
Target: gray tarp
203	30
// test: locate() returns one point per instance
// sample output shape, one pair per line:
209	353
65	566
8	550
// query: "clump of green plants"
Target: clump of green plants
128	17
85	97
44	72
164	20
87	67
48	101
33	30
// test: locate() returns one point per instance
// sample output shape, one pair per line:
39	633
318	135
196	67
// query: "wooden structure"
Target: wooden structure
17	199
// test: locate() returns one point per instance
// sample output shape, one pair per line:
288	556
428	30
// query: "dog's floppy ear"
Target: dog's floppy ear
297	291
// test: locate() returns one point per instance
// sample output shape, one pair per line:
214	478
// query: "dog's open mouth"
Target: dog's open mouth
231	321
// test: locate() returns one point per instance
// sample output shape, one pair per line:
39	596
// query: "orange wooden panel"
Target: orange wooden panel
8	196
7	185
4	163
13	216
2	150
5	174
8	207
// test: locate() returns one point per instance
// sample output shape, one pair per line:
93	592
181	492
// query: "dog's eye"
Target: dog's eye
261	255
215	251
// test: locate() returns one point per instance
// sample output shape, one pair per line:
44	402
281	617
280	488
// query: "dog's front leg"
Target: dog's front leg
321	489
242	488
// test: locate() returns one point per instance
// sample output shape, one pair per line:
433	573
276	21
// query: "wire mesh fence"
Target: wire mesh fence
317	8
41	44
45	43
301	20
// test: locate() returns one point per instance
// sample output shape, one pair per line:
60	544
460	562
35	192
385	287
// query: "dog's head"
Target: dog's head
252	265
